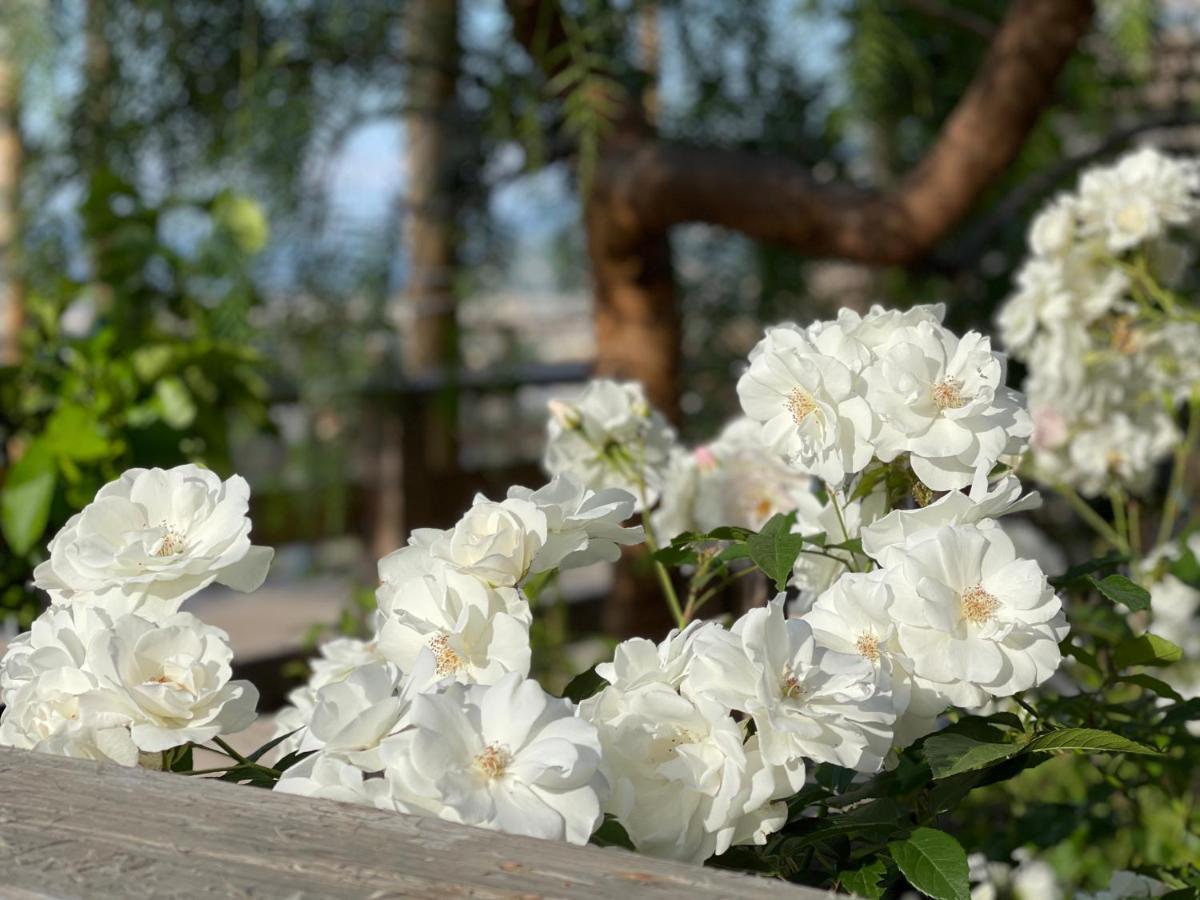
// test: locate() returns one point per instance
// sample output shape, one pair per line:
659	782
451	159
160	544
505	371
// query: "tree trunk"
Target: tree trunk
12	284
424	311
426	306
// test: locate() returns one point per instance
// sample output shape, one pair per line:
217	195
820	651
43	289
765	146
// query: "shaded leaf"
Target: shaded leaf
864	881
952	754
1076	573
774	549
612	833
1121	590
584	685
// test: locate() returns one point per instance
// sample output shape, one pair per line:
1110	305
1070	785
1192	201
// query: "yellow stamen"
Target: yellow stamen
978	606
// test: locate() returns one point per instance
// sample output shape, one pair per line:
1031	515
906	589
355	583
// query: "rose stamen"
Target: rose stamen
978	606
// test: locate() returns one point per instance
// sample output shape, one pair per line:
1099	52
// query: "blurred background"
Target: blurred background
349	249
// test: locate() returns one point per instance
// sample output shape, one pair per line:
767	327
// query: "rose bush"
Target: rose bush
915	685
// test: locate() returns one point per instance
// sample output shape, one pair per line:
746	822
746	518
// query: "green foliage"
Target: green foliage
775	548
934	863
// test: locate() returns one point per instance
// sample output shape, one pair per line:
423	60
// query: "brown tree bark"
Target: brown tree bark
425	310
12	284
427	304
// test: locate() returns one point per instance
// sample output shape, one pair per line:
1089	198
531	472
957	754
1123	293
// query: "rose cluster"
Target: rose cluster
1110	353
113	670
436	715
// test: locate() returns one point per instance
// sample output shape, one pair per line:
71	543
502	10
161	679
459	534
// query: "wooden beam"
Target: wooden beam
75	828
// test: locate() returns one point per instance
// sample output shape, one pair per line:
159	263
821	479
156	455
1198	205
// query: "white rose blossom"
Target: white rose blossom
812	407
807	702
976	621
153	538
506	756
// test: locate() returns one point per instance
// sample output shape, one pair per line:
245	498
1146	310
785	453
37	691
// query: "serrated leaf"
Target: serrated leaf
26	498
1087	739
864	881
1146	650
584	685
883	814
952	754
1121	590
774	549
934	863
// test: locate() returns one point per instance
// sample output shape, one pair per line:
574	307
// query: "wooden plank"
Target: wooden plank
75	828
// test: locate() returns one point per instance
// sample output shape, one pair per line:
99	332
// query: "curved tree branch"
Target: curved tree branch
650	185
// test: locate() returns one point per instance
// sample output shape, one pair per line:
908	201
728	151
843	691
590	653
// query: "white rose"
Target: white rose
495	542
610	437
170	680
350	718
806	701
506	756
812	407
153	538
582	526
976	621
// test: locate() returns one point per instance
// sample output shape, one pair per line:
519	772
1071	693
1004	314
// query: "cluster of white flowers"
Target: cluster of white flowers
610	437
113	670
835	395
1109	354
436	714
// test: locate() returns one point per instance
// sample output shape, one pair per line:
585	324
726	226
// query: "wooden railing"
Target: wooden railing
75	828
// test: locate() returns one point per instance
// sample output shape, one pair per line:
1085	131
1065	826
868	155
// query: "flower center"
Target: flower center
493	761
978	606
793	688
171	544
446	658
801	404
947	394
868	646
762	509
1132	219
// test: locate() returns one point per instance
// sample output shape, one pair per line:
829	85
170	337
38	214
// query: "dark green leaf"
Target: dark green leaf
26	498
584	685
1088	739
864	881
870	479
934	863
612	833
882	815
1121	590
269	746
674	555
1075	573
1146	650
775	548
952	754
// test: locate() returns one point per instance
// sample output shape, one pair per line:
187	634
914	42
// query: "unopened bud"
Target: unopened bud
565	414
706	460
922	493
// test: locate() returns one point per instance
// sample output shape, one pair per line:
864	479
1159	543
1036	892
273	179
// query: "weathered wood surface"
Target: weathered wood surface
72	828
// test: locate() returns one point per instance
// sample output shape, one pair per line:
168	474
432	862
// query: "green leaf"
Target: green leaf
870	479
1121	590
584	685
952	754
269	746
774	549
1088	739
1076	573
175	401
612	833
934	863
1152	684
75	433
674	555
1146	650
1186	568
864	881
179	759
26	498
883	814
